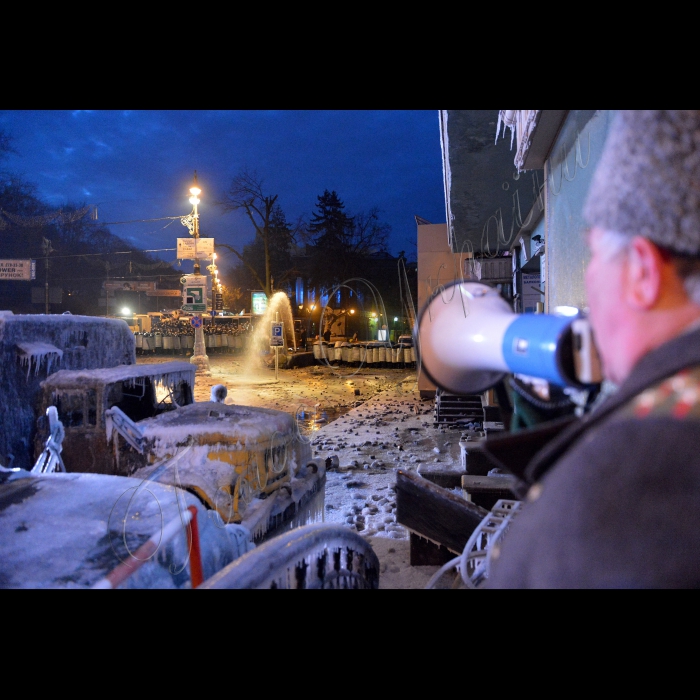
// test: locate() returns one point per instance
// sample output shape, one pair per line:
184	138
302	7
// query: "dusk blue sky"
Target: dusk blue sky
139	164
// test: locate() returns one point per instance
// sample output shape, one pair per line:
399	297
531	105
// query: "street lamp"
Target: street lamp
309	323
194	201
199	353
216	286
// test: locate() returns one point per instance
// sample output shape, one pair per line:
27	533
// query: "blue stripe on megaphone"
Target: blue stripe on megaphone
533	345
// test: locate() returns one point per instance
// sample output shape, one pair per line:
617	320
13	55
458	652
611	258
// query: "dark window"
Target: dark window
91	407
70	409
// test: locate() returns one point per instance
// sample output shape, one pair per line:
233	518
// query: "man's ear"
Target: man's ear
646	268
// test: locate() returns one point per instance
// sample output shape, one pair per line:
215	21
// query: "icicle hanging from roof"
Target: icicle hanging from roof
521	123
35	353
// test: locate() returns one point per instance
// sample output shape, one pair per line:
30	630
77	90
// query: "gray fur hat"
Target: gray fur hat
647	182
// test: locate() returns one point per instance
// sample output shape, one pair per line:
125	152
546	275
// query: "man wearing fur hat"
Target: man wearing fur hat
614	500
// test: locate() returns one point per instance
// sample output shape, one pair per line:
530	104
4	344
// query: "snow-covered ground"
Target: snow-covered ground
369	422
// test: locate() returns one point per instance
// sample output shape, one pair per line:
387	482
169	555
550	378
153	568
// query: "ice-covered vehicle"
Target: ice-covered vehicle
249	464
118	418
70	530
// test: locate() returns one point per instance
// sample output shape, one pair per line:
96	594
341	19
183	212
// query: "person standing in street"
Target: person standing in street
614	500
327	335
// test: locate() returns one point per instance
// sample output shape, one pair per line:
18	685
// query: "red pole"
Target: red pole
196	575
121	572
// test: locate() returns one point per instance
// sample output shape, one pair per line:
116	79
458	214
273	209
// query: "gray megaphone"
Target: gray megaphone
468	338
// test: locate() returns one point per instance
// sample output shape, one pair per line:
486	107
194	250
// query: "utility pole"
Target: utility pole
199	354
46	247
106	288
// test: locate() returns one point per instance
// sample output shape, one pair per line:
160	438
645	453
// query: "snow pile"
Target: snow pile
241	427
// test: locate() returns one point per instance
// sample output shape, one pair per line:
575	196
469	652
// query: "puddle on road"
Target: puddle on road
309	421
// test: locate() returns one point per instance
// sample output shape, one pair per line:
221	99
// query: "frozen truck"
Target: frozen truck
250	465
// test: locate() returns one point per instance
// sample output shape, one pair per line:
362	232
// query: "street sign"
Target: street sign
129	286
55	295
186	248
218	301
194	293
196	321
17	269
277	336
164	293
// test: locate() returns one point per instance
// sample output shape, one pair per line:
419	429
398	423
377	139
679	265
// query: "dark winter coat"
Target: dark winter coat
614	499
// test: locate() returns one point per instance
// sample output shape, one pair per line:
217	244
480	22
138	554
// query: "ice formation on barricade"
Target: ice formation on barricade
36	353
32	347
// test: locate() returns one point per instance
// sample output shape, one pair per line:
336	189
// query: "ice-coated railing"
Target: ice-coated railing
319	555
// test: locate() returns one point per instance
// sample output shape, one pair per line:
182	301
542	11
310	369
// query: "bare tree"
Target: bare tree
246	194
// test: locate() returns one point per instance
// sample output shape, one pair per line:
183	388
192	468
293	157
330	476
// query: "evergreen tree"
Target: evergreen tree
338	244
330	227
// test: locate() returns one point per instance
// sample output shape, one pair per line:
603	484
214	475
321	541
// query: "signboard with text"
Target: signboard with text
17	269
193	248
531	293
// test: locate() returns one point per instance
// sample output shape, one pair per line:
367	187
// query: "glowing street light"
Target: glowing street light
194	201
126	311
